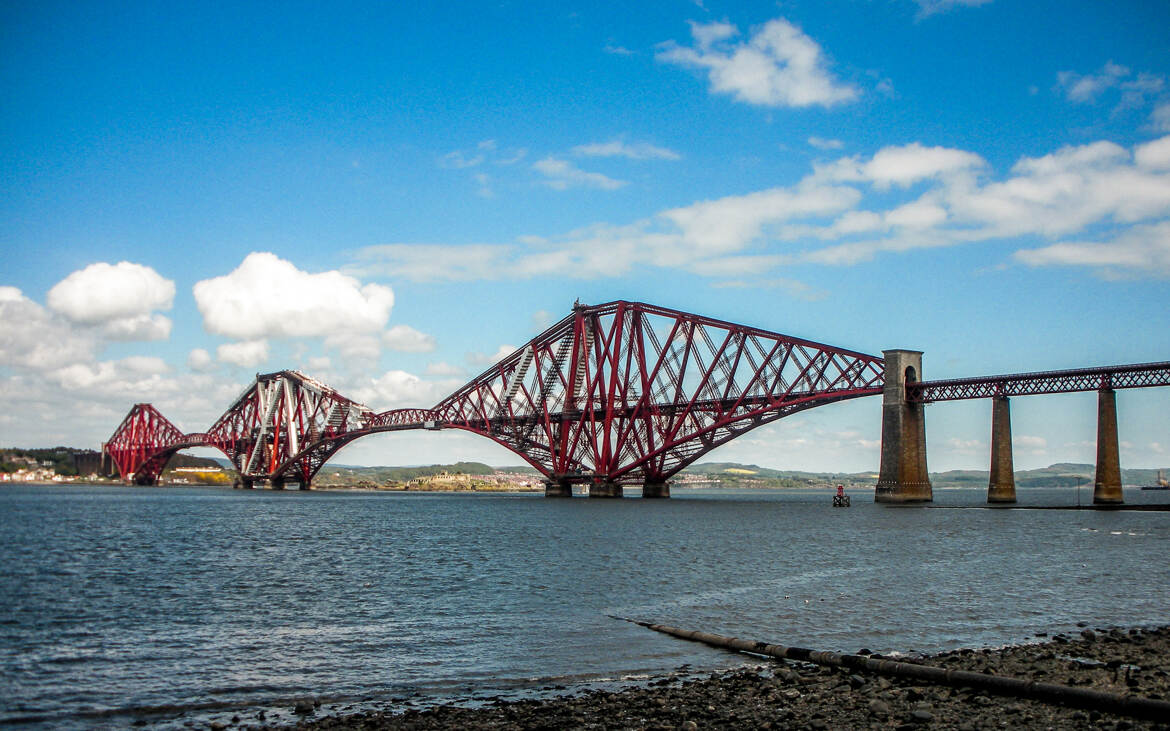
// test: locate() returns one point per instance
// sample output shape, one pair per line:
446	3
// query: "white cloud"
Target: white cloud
199	360
779	66
1036	445
266	296
1153	155
931	7
728	224
912	163
444	369
919	214
822	143
484	359
848	211
119	298
436	262
618	148
399	389
1141	250
458	160
34	338
246	354
319	364
406	339
1160	118
562	175
144	364
1089	88
541	319
1085	89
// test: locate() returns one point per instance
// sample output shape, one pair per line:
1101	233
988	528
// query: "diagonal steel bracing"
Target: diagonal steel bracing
618	392
630	391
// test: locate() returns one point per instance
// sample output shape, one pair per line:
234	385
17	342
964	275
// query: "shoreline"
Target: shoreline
786	694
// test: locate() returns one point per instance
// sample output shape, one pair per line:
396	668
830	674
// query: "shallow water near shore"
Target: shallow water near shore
164	605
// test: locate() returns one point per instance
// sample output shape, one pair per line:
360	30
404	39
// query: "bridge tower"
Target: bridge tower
903	477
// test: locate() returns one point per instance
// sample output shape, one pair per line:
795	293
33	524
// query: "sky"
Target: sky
389	198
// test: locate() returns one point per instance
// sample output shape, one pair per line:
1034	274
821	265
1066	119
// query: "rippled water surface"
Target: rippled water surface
123	604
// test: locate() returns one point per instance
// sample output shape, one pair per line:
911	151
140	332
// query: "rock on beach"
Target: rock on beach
787	695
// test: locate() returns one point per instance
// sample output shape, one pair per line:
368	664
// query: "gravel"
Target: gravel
787	695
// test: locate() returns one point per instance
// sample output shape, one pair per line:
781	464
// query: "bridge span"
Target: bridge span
617	394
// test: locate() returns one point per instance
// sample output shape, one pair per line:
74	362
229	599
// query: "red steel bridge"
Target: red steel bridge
613	394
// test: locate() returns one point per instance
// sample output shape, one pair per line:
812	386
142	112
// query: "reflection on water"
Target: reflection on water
117	598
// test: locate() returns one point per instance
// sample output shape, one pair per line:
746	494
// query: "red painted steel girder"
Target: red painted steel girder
1140	375
627	390
285	426
144	441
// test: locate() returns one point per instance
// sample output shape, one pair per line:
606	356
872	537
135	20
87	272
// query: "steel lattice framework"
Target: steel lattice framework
628	390
614	392
1141	375
285	426
144	441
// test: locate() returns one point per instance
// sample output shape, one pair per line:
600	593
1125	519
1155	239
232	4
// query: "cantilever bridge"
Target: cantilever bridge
613	394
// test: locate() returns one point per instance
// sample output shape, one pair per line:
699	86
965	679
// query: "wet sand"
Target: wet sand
785	694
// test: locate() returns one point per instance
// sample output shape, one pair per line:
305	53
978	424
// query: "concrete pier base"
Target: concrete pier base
656	489
605	488
1001	487
557	488
277	483
903	477
1107	485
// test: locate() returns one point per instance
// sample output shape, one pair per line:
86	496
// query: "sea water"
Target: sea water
163	605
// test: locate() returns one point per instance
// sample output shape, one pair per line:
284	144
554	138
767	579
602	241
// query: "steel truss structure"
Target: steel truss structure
143	443
629	391
1141	375
617	392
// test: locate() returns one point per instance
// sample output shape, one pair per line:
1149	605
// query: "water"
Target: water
164	605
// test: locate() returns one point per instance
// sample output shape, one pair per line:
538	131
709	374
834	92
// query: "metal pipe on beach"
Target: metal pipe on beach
1126	705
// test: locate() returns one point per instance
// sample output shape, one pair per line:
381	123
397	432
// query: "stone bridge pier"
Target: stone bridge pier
903	477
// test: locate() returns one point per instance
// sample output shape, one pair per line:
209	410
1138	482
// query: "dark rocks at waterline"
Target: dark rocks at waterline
782	695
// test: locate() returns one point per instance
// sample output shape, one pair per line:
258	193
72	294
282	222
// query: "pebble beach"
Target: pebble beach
795	695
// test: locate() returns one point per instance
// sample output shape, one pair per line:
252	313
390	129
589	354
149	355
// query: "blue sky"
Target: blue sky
388	197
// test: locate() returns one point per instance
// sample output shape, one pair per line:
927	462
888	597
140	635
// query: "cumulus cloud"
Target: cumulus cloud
118	298
779	66
34	338
266	296
1153	155
903	165
399	389
633	151
246	354
562	175
199	360
406	339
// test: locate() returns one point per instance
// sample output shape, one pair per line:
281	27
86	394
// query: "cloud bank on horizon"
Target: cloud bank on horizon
770	159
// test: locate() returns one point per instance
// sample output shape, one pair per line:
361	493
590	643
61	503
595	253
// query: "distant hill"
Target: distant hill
1062	474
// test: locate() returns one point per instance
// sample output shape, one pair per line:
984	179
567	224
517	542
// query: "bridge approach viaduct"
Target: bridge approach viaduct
630	393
